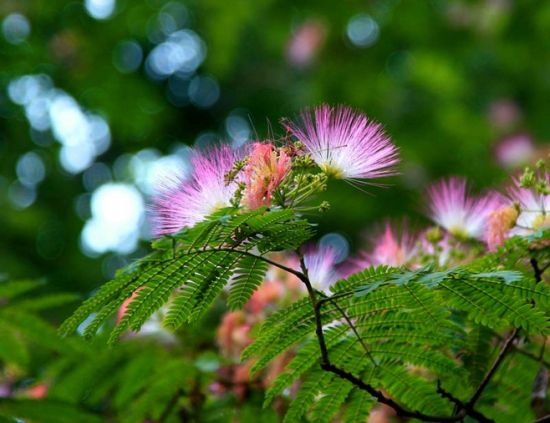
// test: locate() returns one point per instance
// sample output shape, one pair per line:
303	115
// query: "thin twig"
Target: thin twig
356	333
296	273
359	383
494	367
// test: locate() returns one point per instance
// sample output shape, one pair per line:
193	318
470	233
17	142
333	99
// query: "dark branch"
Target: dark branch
354	329
494	367
469	410
296	273
399	410
537	270
380	397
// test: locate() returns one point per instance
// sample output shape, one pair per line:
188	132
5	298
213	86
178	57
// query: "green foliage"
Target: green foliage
46	411
408	329
189	270
20	324
412	334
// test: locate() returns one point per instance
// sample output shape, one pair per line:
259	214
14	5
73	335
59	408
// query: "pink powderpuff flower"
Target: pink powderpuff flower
320	263
534	207
345	144
183	203
500	223
233	334
515	151
305	43
268	293
504	113
392	248
38	391
265	170
461	214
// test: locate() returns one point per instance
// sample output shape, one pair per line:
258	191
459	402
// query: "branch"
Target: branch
496	364
354	329
296	273
399	410
380	397
536	269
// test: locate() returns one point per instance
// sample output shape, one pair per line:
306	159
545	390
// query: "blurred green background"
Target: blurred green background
100	98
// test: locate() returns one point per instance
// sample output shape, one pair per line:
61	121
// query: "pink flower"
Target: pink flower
233	333
265	170
38	391
392	248
461	214
268	293
499	224
305	43
183	203
320	263
345	144
515	150
504	113
534	207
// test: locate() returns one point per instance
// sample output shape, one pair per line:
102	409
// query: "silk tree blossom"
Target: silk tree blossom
320	263
345	144
500	223
183	203
265	170
534	208
460	213
392	248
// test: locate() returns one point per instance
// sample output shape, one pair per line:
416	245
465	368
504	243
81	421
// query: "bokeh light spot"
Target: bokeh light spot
127	56
362	30
30	169
204	91
338	243
20	195
117	212
100	9
16	28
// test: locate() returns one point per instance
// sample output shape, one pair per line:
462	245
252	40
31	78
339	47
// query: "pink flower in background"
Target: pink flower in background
233	333
500	223
534	207
265	170
305	42
504	113
183	203
392	248
345	144
38	391
320	263
515	151
268	293
460	213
